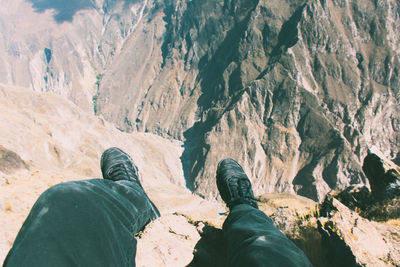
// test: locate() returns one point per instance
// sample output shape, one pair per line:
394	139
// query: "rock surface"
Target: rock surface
382	202
383	176
294	90
63	47
60	142
354	241
10	161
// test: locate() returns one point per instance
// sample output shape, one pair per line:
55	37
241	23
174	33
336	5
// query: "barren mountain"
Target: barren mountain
296	91
46	139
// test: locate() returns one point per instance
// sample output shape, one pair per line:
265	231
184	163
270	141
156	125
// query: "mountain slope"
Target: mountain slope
296	91
47	140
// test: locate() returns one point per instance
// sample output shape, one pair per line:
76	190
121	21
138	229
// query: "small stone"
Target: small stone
200	227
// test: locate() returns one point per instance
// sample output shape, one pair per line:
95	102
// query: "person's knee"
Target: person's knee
63	188
62	192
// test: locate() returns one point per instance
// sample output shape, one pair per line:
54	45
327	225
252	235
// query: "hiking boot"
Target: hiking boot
116	165
233	184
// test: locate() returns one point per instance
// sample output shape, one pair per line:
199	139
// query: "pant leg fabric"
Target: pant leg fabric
253	240
83	223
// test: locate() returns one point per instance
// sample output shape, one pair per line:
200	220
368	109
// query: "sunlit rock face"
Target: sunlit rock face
296	91
63	46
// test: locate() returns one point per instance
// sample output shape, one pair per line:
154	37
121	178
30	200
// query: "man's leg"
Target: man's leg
85	223
253	240
251	237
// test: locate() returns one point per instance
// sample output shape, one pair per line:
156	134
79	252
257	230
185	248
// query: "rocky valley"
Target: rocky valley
298	92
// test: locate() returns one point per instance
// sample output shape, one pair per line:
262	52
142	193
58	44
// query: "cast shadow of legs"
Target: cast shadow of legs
210	251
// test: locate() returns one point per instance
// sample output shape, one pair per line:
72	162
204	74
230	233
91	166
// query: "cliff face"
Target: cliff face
294	90
63	47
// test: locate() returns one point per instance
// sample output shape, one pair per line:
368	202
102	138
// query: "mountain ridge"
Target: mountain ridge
301	84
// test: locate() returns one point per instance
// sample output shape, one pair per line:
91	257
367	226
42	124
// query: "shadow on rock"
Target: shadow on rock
11	161
210	250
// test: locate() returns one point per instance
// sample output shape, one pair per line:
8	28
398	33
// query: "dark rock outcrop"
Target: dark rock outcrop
351	240
383	176
382	202
10	161
350	234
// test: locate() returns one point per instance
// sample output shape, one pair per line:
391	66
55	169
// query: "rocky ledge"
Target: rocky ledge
360	227
47	139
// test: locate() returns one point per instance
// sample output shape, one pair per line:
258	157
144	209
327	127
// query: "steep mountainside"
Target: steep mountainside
296	91
63	46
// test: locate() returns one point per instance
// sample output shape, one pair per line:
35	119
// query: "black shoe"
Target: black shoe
233	184
116	165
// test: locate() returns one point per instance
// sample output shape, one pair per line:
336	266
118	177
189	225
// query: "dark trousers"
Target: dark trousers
83	223
93	223
253	240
